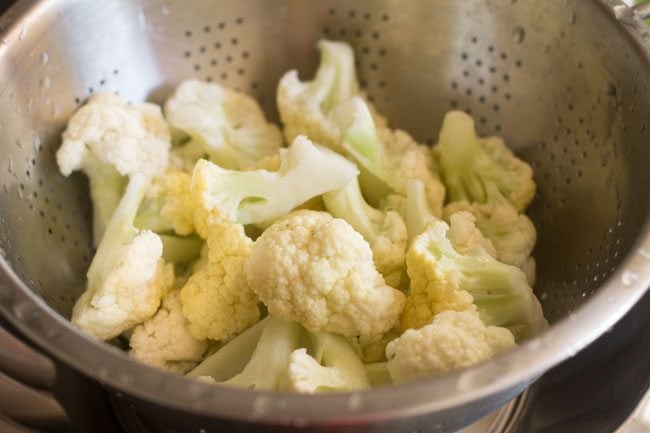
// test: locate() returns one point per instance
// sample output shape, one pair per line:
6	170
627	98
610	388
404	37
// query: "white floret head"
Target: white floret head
132	138
452	340
317	270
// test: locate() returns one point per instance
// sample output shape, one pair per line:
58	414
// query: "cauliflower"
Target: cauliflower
183	156
444	279
168	210
261	196
231	358
164	341
452	340
230	126
389	158
127	276
375	352
504	233
317	270
384	231
378	374
481	170
530	269
305	107
168	205
334	367
109	139
416	209
466	238
463	233
256	359
216	299
512	234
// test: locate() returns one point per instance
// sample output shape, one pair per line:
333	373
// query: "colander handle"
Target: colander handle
642	10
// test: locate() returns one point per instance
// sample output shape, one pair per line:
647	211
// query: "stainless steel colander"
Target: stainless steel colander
566	83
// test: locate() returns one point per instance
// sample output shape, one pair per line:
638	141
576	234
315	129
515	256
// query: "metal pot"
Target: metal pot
564	82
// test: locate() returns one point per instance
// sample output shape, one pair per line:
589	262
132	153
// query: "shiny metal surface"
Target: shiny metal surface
566	84
597	390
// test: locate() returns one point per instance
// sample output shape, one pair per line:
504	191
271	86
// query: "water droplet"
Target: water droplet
534	345
470	379
23	32
261	406
36	141
629	278
569	350
611	89
45	58
142	19
518	35
300	422
46	83
24	311
354	402
51	333
643	253
104	373
124	377
621	11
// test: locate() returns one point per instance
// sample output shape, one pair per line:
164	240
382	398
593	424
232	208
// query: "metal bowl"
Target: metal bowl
565	83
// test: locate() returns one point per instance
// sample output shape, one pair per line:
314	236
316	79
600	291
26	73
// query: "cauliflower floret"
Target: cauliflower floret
305	107
444	279
164	341
334	367
179	204
216	299
465	236
530	269
257	358
375	352
230	126
127	276
409	160
452	340
480	170
512	234
132	138
109	139
384	231
168	205
253	197
269	163
389	158
317	270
